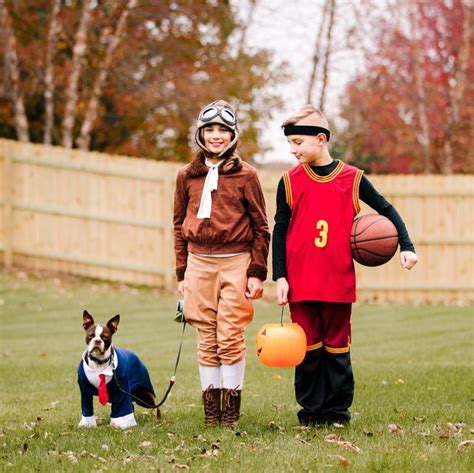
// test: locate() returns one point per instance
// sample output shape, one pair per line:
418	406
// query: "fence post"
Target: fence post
8	205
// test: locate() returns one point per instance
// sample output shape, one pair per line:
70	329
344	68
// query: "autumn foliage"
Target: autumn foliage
146	66
412	109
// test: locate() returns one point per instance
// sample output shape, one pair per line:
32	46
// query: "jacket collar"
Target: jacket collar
197	167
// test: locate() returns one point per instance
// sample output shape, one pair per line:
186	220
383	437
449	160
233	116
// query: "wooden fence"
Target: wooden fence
110	217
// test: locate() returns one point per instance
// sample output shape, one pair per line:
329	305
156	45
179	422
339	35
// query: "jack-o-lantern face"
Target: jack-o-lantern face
281	345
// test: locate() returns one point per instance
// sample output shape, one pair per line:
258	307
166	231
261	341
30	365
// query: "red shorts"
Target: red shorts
326	324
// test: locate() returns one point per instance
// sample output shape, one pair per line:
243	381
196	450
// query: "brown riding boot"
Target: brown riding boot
230	407
212	405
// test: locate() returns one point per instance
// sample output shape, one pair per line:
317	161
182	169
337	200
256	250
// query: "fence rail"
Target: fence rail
110	217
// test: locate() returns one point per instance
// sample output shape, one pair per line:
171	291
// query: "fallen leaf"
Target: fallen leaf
465	443
180	466
105	447
395	429
51	406
419	419
71	457
338	426
349	446
332	438
399	381
342	460
145	444
445	434
368	434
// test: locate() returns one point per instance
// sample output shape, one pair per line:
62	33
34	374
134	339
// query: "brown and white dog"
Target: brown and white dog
112	374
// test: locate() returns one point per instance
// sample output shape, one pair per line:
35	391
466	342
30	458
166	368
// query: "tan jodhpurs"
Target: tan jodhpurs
215	304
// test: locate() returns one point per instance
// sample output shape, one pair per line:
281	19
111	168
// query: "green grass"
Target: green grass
413	368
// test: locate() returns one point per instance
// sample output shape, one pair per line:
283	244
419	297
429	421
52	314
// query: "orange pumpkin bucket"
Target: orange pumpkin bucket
281	345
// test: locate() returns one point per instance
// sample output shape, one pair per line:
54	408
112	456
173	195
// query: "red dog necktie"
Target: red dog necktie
103	395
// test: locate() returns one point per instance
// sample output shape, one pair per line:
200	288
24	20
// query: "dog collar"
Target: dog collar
98	360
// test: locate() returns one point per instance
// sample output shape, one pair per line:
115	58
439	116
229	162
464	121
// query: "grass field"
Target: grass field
413	407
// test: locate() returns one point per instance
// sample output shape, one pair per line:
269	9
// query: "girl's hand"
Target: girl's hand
181	287
254	288
408	259
282	291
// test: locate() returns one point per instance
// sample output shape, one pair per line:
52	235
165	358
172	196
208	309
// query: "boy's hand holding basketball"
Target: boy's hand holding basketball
282	291
254	288
408	259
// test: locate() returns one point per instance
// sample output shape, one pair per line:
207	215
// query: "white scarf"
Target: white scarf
210	184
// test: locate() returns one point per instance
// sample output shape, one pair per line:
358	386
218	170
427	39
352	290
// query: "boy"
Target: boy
221	245
312	263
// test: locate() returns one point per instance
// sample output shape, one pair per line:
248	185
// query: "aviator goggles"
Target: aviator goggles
212	112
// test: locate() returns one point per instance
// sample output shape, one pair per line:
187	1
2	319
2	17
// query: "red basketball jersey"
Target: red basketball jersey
318	252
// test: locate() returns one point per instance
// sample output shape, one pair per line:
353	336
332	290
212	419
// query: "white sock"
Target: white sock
210	375
233	375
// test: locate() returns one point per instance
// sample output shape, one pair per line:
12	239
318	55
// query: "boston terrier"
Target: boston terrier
111	373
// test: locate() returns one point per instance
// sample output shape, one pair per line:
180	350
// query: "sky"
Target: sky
289	29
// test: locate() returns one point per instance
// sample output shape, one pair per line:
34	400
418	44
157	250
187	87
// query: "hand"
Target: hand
282	289
181	287
254	288
408	259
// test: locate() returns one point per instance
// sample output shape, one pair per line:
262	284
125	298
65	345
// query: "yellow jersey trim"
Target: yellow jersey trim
355	191
338	350
288	191
327	178
314	347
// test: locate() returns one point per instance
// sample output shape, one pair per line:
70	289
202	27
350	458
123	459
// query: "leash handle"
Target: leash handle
171	382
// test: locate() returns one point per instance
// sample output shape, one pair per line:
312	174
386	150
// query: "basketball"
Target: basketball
374	239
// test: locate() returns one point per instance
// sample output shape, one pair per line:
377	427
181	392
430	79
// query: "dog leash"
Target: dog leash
171	383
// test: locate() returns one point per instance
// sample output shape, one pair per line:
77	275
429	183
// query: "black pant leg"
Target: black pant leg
339	385
310	387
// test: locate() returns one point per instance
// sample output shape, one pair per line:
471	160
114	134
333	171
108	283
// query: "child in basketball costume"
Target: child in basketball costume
312	263
221	241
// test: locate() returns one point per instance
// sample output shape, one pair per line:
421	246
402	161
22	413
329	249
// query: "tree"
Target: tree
11	59
130	77
412	108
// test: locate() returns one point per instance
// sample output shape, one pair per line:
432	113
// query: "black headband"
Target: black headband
306	130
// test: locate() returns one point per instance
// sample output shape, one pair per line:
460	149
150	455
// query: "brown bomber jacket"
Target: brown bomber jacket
238	220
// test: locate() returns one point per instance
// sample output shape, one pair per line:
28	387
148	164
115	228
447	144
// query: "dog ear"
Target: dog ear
87	320
113	323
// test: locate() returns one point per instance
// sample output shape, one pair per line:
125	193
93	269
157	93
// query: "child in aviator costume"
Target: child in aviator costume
221	245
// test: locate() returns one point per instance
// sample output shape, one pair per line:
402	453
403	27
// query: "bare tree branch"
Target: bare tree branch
423	136
457	90
317	48
21	121
243	37
49	72
113	42
80	48
327	55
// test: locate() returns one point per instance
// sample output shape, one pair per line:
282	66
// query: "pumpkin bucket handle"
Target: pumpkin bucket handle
281	317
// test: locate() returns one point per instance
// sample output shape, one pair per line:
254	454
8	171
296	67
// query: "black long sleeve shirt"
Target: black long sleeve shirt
367	194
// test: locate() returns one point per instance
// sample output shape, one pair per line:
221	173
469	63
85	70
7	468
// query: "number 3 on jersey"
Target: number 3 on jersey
322	240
